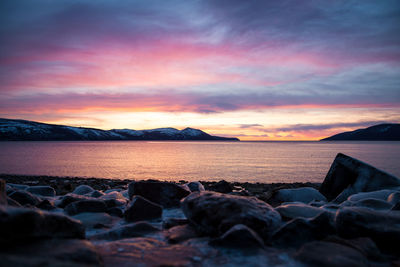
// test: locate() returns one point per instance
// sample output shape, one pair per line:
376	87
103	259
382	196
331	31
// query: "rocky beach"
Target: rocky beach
351	219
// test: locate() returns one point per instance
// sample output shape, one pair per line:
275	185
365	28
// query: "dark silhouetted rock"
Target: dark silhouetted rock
380	194
163	193
93	205
195	186
18	186
215	213
297	210
51	252
22	224
171	222
97	194
24	198
328	254
140	209
83	190
13	203
394	198
46	205
381	226
3	195
94	219
348	176
116	211
221	187
302	194
138	229
396	207
70	198
42	190
240	236
371	203
180	233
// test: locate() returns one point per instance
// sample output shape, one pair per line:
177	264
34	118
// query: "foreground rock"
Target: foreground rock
348	176
165	194
25	198
3	195
18	224
215	213
138	229
93	205
298	210
240	236
141	209
302	194
46	191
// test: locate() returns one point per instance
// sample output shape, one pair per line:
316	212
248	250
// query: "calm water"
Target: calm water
233	161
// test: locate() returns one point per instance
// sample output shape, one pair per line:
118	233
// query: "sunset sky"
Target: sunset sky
257	70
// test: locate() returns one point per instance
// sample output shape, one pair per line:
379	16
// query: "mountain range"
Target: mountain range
380	132
14	130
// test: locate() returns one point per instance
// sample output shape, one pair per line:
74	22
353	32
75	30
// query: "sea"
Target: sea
263	162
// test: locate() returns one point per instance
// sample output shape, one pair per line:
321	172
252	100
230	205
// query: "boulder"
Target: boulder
94	205
297	210
302	194
97	194
42	190
13	203
349	176
320	253
380	194
180	233
394	198
83	190
195	186
22	224
18	186
51	252
215	213
25	198
163	193
371	203
46	205
94	219
3	195
221	187
381	226
116	211
240	236
138	229
63	201
140	209
113	195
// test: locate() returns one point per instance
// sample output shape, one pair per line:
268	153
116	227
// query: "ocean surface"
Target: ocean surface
264	162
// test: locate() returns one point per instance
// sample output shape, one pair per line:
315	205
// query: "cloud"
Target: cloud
246	126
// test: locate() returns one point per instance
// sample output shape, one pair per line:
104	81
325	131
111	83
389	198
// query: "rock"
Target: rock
18	186
180	233
215	213
3	195
80	206
302	194
112	190
83	190
348	176
298	210
13	203
111	203
140	208
372	203
94	219
138	229
24	198
221	187
97	194
70	198
195	186
51	252
116	211
381	226
113	195
394	198
46	191
22	224
240	236
125	194
380	194
171	222
45	205
320	253
301	230
396	207
165	194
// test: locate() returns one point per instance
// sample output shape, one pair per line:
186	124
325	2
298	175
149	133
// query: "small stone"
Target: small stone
195	186
96	194
180	233
83	190
298	210
45	205
140	208
92	219
116	211
138	229
24	198
240	236
221	187
46	191
171	222
85	206
302	194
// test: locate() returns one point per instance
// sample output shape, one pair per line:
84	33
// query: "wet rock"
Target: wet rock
83	190
297	210
138	229
111	203
97	194
240	236
302	194
394	198
301	230
180	233
23	224
93	205
46	205
24	198
116	211
13	203
113	195
380	194
163	193
221	187
3	195
94	219
140	209
320	253
349	176
46	191
51	252
381	226
215	213
396	207
70	198
372	203
171	222
18	186
195	186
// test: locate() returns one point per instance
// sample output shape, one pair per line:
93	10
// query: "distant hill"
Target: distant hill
381	132
16	130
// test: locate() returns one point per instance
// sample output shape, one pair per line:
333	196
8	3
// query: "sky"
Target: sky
257	70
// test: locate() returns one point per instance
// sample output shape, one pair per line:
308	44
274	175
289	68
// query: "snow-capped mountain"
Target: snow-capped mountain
30	130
